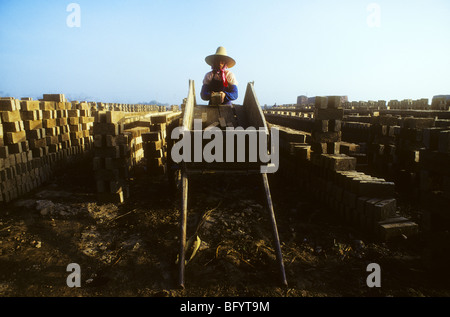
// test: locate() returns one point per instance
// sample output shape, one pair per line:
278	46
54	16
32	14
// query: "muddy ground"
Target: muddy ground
130	249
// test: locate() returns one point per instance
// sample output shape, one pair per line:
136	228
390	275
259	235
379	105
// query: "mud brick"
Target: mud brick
64	137
11	116
31	115
75	127
61	121
52	131
73	121
4	152
333	148
334	102
417	123
381	210
303	152
348	148
320	125
374	188
319	148
32	124
112	140
151	136
47	114
74	113
329	114
40	152
114	116
76	135
430	137
136	132
54	97
53	148
64	129
339	162
389	231
29	105
37	143
153	146
52	139
34	134
99	140
85	113
49	123
107	128
320	102
15	148
9	105
394	131
326	137
47	105
158	127
60	106
334	125
444	141
15	137
13	126
100	117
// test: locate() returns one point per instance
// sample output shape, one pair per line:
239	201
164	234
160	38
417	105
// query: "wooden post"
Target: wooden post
184	201
274	229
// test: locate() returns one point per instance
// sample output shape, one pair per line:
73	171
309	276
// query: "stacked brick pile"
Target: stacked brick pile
116	151
440	103
326	134
155	149
363	201
122	140
80	123
156	141
34	142
434	177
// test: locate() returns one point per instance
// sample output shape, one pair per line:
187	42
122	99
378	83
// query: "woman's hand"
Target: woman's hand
222	95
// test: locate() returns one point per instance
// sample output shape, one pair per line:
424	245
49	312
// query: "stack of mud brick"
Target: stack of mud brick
156	142
16	159
396	144
434	177
295	153
117	149
440	103
363	201
326	134
34	142
80	123
381	151
297	121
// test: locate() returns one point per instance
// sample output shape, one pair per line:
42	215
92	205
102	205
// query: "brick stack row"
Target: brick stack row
34	142
440	103
363	201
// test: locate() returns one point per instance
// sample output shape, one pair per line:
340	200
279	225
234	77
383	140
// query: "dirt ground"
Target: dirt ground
130	249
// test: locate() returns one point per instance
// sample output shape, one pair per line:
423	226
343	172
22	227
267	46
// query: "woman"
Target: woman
220	79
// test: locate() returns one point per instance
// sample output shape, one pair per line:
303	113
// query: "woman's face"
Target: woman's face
221	63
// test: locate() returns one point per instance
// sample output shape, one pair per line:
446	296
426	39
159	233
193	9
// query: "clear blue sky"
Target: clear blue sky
134	51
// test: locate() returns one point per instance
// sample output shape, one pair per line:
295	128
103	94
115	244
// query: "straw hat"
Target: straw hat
220	53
